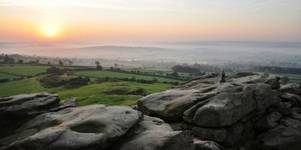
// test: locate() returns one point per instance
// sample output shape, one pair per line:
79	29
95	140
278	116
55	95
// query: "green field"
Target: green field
22	70
31	85
7	76
89	94
293	77
95	93
103	74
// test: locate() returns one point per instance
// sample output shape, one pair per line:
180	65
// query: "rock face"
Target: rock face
75	128
169	105
27	105
62	126
154	134
247	111
227	108
15	110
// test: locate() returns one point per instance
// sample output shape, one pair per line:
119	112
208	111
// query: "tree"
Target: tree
61	63
8	60
55	71
20	61
185	69
175	74
98	66
70	62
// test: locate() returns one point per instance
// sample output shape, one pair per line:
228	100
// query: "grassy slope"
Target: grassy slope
94	93
102	74
90	94
22	69
293	77
20	86
6	76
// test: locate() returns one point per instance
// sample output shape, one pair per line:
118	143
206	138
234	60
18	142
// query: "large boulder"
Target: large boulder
206	145
268	121
227	136
293	99
89	127
227	108
28	104
285	136
171	104
293	88
15	110
154	134
232	113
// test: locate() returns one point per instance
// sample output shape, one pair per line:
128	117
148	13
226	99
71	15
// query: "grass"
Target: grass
95	93
6	76
31	85
86	95
103	74
293	77
23	70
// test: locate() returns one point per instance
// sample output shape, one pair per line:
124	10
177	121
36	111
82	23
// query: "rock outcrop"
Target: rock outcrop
153	134
247	111
27	105
47	124
15	110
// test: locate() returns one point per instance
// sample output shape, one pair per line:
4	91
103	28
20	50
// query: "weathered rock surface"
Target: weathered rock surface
27	105
63	126
234	113
293	99
170	104
154	134
285	136
88	127
227	108
206	145
15	110
293	88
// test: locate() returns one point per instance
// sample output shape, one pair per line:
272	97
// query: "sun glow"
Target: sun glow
51	30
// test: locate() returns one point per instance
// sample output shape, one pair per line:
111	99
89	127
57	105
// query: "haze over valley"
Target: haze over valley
285	54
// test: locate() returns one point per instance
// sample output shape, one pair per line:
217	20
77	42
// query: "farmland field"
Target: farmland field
102	74
96	93
22	70
7	76
93	93
293	77
89	94
30	85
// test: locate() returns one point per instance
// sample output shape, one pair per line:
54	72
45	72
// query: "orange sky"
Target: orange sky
109	20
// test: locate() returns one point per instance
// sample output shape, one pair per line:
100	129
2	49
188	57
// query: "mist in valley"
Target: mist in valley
285	54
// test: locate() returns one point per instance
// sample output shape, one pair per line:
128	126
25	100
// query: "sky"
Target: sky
149	20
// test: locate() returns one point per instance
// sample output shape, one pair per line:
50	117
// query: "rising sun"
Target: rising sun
50	31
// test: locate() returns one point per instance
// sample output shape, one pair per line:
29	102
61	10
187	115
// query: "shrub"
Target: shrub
59	81
55	71
77	82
